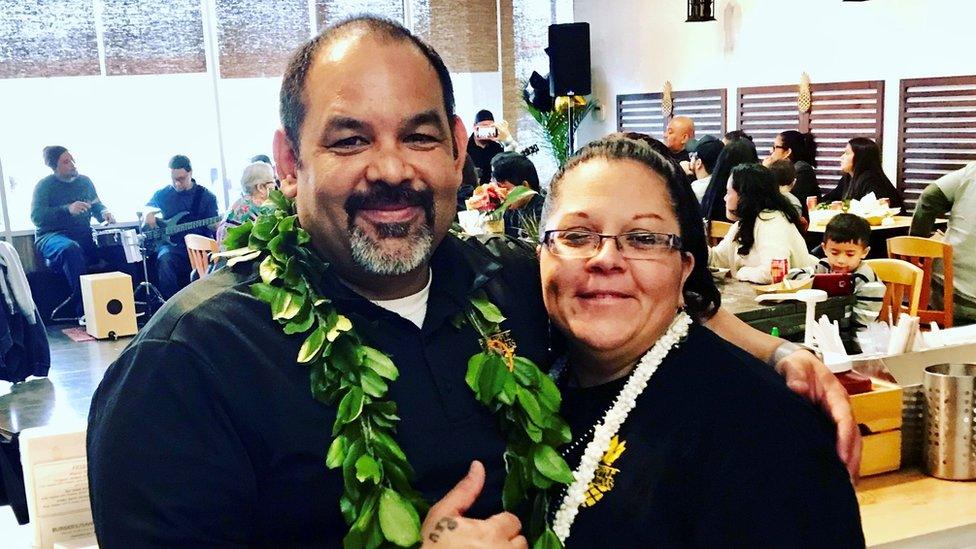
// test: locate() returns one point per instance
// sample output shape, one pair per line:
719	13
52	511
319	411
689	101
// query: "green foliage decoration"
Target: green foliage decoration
378	503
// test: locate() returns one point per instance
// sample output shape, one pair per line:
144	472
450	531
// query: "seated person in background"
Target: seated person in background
183	195
482	150
62	208
510	170
766	227
861	164
737	152
845	243
706	155
736	135
785	177
955	194
680	131
801	150
256	183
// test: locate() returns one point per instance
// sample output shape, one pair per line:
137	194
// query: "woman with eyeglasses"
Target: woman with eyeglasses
765	227
861	164
680	439
801	150
257	182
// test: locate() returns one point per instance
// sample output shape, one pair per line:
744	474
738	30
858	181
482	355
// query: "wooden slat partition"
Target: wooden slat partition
936	131
839	111
641	112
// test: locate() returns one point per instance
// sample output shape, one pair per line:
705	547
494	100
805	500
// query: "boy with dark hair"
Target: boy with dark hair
785	176
845	243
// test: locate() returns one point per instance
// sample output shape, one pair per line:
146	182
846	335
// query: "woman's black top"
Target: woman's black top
867	182
718	452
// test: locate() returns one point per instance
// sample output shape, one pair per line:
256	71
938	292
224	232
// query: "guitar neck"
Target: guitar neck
189	225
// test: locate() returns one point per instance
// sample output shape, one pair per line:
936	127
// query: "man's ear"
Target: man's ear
867	250
286	165
460	142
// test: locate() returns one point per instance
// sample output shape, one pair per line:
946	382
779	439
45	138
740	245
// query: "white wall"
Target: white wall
636	45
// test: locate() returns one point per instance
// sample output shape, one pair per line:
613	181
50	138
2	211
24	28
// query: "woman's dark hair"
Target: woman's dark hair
702	298
758	192
737	135
515	168
734	154
867	156
656	145
802	146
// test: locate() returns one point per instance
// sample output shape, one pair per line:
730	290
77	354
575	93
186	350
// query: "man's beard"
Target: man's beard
416	241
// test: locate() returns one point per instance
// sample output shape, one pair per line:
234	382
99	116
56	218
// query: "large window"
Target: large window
126	84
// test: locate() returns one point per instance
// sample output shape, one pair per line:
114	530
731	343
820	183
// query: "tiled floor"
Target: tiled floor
64	396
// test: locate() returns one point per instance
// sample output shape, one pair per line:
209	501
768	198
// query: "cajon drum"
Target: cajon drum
110	310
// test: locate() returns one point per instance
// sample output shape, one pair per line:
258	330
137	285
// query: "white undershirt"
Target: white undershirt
412	307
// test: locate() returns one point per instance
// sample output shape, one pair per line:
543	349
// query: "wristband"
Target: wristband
784	350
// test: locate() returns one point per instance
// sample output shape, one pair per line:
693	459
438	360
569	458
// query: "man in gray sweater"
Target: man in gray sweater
62	208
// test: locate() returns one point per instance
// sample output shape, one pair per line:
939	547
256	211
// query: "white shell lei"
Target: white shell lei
614	418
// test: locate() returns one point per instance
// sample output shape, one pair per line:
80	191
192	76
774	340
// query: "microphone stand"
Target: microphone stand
154	299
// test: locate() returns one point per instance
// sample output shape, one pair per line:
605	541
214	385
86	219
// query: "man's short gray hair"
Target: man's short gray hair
254	175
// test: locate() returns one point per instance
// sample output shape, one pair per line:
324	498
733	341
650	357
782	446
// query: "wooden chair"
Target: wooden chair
717	232
898	276
922	252
200	249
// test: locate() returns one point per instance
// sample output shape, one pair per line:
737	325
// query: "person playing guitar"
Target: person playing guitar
182	202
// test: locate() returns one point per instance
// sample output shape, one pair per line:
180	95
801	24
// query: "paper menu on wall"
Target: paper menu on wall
56	484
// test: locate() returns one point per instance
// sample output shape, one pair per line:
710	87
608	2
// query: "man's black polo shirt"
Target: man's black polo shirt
204	431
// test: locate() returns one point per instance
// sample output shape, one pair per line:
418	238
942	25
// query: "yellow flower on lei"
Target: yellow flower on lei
603	479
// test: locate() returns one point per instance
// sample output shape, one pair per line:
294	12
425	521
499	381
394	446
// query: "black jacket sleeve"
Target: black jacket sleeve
837	193
157	479
773	478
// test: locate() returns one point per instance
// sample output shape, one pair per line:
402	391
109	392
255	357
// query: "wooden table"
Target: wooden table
739	298
910	509
902	223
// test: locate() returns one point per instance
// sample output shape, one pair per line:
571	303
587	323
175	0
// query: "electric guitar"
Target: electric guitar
165	228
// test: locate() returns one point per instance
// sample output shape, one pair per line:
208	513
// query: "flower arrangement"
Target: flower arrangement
487	205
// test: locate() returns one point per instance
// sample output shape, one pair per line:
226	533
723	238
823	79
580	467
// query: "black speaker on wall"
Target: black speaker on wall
569	59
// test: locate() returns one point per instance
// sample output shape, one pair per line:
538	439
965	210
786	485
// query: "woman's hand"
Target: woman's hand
445	527
808	377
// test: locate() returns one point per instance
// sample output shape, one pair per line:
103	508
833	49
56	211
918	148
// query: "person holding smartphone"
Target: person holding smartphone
488	138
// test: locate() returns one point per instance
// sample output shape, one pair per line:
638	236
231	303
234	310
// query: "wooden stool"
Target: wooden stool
110	310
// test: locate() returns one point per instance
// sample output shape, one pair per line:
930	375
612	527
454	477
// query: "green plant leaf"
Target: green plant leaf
372	383
342	324
474	371
548	394
548	540
279	199
268	270
277	248
548	462
380	363
264	227
526	372
303	320
312	347
264	292
350	406
398	519
237	236
492	378
488	310
337	451
367	469
513	492
509	391
531	406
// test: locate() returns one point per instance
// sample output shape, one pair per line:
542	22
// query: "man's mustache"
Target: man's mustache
384	194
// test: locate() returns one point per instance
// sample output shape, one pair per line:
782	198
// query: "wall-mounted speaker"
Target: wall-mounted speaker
569	59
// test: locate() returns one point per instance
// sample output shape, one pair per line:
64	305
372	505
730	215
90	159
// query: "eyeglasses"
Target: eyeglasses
632	245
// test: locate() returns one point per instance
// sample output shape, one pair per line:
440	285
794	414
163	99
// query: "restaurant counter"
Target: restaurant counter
910	509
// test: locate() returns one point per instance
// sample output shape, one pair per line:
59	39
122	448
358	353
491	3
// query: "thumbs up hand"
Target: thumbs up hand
447	527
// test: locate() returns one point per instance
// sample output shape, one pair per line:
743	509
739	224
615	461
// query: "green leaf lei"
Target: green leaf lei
378	502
